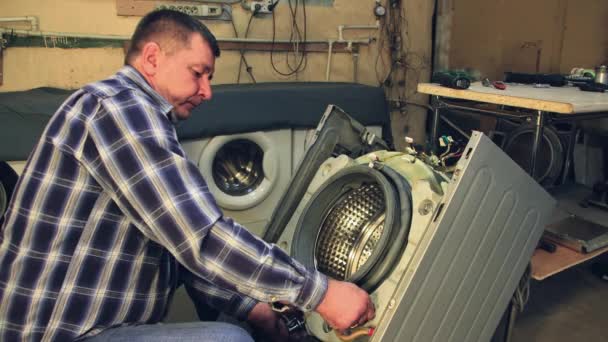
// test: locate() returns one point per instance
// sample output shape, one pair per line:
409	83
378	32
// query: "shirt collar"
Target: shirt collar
134	76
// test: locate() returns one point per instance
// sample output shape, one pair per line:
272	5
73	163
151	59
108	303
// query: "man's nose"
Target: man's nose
204	89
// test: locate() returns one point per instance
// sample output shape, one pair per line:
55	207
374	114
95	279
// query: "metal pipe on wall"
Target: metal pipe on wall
329	51
31	19
330	42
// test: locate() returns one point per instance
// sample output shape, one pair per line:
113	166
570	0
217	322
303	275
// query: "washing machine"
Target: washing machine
247	173
440	250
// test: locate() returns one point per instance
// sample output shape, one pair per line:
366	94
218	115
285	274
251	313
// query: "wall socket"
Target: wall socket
260	6
193	10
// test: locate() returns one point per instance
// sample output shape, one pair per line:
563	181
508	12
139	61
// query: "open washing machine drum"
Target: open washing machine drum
440	255
356	223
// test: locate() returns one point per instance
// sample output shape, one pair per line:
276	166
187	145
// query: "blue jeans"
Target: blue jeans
187	332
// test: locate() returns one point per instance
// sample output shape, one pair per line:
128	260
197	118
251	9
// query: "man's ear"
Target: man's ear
150	58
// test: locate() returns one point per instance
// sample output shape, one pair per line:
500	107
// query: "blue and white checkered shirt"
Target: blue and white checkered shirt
107	207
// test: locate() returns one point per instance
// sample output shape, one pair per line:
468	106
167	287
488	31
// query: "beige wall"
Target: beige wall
519	35
26	68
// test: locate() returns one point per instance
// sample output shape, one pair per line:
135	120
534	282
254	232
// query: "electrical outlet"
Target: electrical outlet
193	10
260	6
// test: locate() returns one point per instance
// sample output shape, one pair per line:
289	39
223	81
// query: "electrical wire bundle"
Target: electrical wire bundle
243	60
296	38
394	42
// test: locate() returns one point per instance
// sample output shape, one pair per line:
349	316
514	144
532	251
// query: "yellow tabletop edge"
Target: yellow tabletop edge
549	106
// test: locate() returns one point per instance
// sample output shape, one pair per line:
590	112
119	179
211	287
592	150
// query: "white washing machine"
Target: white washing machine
440	250
247	173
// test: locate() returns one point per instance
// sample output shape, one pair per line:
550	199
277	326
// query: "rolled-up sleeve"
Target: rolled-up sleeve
133	153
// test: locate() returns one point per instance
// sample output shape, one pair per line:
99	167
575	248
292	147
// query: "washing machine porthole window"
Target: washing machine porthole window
238	167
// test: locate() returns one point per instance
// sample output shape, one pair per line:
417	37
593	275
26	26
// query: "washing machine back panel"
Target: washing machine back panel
474	253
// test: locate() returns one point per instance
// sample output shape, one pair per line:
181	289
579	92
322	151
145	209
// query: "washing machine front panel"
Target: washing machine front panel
425	190
246	173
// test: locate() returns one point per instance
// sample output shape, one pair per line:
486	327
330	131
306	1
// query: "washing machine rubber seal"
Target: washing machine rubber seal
397	222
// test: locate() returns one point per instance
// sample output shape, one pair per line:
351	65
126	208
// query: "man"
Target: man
109	216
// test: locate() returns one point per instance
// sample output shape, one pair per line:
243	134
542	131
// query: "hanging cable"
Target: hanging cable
243	60
394	43
296	38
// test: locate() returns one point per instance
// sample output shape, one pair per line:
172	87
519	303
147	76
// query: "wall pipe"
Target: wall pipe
32	20
355	54
329	42
341	29
118	37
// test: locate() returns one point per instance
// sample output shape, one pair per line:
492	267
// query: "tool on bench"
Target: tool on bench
493	84
594	87
452	79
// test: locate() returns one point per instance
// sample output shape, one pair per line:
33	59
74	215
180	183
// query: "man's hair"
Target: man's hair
171	30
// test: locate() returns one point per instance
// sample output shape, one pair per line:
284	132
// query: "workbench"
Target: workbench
542	104
537	106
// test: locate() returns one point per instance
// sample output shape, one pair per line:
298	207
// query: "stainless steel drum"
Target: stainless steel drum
350	232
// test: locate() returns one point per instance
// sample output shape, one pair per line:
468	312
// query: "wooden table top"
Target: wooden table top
562	100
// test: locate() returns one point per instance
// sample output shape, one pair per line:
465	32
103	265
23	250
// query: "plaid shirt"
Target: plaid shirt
107	211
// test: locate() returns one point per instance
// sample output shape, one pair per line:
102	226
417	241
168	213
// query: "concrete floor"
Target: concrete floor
569	306
573	304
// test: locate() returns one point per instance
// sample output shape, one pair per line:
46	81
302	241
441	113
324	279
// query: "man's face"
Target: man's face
184	76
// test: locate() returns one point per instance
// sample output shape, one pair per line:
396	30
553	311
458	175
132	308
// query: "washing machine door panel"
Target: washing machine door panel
337	133
473	254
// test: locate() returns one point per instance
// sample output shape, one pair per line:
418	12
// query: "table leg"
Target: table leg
538	136
435	123
569	151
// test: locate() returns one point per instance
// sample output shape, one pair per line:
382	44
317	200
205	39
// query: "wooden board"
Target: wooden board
545	264
134	7
563	100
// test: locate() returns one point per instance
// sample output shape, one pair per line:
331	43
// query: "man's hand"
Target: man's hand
345	305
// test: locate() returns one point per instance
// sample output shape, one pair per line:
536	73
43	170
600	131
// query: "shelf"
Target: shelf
545	264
